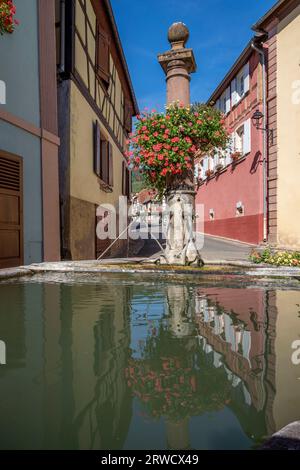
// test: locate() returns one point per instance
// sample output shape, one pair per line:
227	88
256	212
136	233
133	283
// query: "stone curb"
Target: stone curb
286	439
128	265
12	273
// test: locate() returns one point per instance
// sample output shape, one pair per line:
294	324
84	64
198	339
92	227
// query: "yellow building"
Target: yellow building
282	48
96	106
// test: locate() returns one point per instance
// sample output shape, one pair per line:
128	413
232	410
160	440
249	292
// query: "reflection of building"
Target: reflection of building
29	193
89	357
96	105
249	333
237	340
67	354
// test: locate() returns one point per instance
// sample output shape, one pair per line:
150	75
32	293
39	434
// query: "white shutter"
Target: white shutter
229	150
218	105
247	137
228	100
234	96
205	166
246	78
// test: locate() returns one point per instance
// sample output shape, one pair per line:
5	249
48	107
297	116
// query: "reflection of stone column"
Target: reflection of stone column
179	311
178	435
178	64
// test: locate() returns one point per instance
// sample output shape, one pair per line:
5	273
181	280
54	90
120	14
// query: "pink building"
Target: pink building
230	184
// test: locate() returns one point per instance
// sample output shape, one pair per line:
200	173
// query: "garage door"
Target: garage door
11	211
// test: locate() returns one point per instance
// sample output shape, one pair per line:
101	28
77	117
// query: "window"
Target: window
102	59
126	180
239	140
240	85
242	138
128	115
103	157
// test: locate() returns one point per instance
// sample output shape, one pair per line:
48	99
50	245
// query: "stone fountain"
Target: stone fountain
178	64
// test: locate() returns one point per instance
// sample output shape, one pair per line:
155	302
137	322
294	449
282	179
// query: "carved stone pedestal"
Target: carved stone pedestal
181	246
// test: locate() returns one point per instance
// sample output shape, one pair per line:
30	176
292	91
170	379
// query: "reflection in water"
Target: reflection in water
125	365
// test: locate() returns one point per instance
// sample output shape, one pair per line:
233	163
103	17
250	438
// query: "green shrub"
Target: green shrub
276	258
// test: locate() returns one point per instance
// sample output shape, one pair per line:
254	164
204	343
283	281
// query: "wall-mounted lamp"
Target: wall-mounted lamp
257	120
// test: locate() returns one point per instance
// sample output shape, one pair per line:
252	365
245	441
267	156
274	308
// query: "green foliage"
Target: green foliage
164	144
276	258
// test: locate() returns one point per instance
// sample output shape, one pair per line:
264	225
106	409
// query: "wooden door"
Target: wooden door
11	210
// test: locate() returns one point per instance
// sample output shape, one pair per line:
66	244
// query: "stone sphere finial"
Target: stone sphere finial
178	34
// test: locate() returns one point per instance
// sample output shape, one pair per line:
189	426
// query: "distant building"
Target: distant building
96	106
251	192
29	199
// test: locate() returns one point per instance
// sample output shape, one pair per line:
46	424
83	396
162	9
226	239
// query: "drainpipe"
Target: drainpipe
62	36
256	45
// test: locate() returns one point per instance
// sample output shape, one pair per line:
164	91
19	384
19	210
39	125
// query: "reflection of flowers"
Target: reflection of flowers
168	384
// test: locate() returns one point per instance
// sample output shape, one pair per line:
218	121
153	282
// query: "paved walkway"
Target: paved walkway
214	249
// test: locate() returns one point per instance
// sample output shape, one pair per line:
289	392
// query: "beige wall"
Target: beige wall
84	182
287	377
288	43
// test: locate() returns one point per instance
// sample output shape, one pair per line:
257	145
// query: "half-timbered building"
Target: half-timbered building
96	106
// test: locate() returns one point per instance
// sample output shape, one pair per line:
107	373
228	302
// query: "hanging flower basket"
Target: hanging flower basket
163	146
219	167
7	13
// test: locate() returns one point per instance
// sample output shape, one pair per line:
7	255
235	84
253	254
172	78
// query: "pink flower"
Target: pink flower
157	147
175	139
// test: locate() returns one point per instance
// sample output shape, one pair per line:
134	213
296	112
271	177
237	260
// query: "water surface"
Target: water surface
118	362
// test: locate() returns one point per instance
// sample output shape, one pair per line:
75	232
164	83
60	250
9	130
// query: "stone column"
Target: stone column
178	63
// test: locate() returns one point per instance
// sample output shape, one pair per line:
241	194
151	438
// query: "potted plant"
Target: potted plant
209	173
236	156
7	13
219	166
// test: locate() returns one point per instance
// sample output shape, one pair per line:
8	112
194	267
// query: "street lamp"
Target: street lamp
257	120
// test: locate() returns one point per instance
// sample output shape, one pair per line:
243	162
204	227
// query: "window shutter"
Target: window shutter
246	78
110	165
217	105
104	161
103	54
228	100
97	149
205	166
247	137
228	153
234	95
128	115
123	178
127	182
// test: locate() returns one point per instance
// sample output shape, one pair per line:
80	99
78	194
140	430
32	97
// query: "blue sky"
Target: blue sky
219	31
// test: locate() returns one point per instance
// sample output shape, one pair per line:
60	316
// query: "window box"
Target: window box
236	156
209	173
